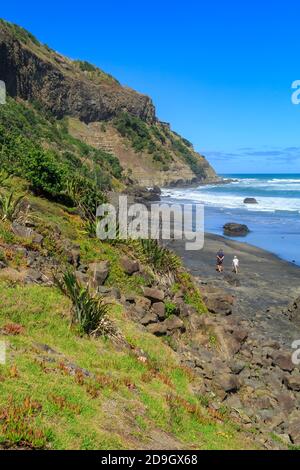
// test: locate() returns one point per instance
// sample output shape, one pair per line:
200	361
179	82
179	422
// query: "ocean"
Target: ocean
274	222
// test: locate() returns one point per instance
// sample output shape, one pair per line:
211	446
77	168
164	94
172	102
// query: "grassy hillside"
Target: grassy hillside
61	389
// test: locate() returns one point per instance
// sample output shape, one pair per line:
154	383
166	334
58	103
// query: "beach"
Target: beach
264	287
274	222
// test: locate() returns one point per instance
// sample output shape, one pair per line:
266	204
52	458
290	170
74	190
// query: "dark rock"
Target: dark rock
294	432
160	310
219	304
60	87
250	200
99	273
103	290
228	382
143	302
33	276
237	366
82	278
130	266
283	361
44	348
156	190
169	326
292	382
293	310
74	257
116	293
286	402
155	295
174	323
83	268
235	230
186	310
3	265
149	318
27	232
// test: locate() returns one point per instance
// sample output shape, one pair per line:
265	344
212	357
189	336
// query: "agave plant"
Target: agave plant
9	205
89	312
3	177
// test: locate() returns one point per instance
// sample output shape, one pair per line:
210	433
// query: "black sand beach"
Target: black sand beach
264	287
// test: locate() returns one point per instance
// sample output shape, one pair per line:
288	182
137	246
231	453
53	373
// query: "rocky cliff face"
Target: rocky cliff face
35	73
80	91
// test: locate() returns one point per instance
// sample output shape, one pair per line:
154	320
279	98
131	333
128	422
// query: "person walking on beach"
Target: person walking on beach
220	261
235	265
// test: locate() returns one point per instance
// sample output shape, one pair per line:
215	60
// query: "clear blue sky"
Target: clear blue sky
219	71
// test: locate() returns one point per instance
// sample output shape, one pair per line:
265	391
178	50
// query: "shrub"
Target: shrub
89	312
159	257
171	308
9	206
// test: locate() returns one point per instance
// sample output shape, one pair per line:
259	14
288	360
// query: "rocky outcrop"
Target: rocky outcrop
235	230
250	200
34	73
86	97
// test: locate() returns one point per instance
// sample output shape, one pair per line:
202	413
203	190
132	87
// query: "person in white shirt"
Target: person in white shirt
235	264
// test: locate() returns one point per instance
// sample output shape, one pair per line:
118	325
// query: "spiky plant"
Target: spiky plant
9	205
160	258
3	177
89	312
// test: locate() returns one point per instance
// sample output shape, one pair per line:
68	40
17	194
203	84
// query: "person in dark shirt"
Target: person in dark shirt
220	261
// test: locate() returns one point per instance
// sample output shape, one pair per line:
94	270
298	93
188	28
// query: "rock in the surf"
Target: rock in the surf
235	230
250	200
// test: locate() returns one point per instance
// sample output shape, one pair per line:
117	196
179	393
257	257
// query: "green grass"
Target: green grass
124	399
69	416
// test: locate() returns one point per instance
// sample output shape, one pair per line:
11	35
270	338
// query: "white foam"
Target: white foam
230	201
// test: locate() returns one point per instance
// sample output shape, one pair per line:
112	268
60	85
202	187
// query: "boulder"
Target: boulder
160	310
286	402
142	302
130	266
149	318
74	257
3	265
237	366
283	361
235	230
292	382
294	432
167	327
99	273
228	382
250	200
26	232
33	276
219	304
155	295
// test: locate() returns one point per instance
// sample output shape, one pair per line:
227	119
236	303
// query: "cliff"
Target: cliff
99	110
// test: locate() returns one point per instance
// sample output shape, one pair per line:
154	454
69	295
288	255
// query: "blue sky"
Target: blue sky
219	71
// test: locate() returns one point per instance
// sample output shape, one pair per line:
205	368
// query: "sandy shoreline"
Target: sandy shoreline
265	285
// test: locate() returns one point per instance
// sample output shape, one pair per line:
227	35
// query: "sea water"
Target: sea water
274	222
